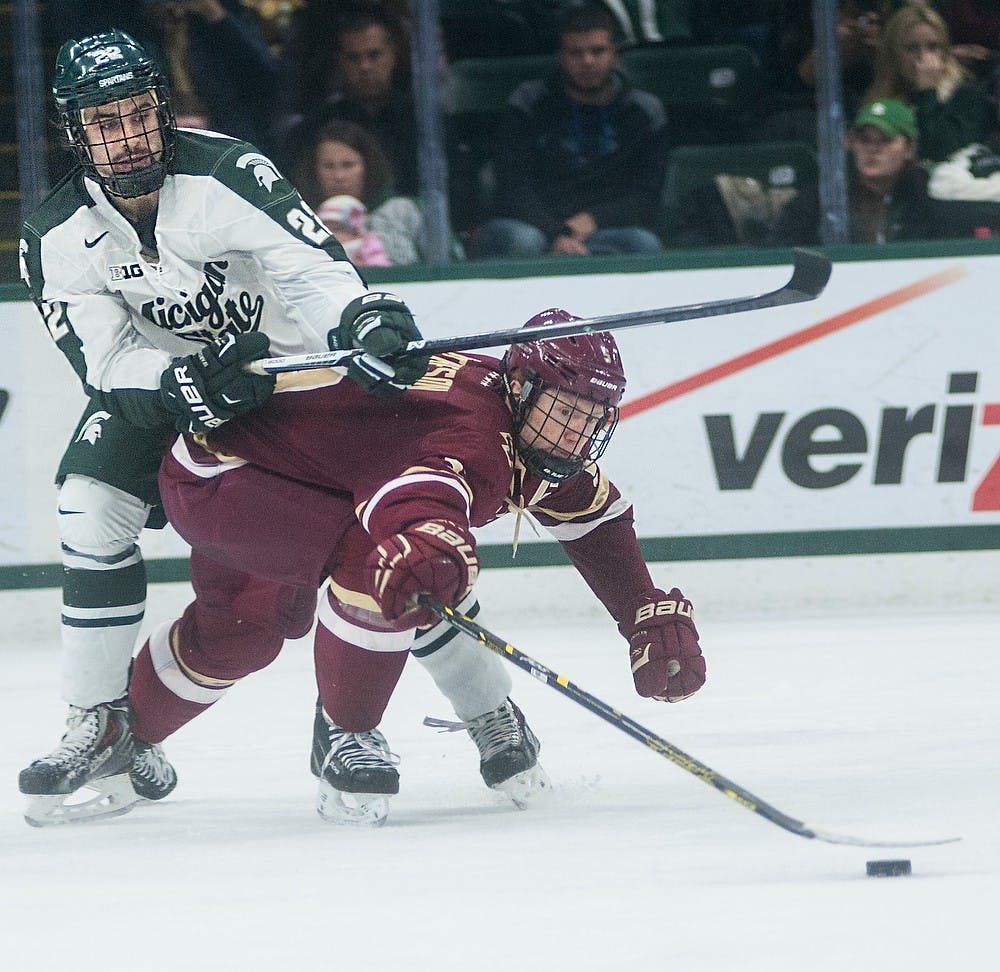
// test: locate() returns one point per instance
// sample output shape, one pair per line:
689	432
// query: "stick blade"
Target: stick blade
810	274
832	837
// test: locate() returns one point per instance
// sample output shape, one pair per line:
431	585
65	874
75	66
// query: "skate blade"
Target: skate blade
108	797
526	787
351	809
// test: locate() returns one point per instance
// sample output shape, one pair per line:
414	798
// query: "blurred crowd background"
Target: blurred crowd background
574	128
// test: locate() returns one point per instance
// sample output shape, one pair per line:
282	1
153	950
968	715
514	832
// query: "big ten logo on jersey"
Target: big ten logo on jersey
210	311
441	371
128	271
835	433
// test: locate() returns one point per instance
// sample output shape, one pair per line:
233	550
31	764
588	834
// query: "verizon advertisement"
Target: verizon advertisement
874	408
877	407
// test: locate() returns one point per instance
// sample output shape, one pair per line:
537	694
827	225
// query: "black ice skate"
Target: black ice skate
152	776
357	773
87	775
508	751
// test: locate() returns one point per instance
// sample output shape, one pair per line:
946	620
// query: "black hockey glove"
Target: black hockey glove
208	388
382	326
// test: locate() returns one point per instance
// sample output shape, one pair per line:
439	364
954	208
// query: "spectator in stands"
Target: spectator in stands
371	89
966	186
887	189
215	50
916	65
346	160
310	55
975	33
347	218
580	155
790	63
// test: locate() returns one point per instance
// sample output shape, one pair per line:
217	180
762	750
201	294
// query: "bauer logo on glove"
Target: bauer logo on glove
435	557
664	608
664	653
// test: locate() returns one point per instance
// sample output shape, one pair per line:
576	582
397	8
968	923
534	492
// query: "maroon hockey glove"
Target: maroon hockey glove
667	664
435	557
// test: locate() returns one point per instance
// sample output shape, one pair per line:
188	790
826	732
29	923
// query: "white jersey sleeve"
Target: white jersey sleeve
236	250
259	212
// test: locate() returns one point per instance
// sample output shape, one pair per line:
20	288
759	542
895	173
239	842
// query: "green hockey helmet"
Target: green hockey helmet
127	144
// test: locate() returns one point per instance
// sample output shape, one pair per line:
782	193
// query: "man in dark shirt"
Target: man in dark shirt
580	156
887	192
373	92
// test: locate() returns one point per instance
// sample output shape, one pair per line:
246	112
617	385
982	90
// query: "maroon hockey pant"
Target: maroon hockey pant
261	547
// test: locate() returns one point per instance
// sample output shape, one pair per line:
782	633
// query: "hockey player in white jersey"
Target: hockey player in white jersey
161	264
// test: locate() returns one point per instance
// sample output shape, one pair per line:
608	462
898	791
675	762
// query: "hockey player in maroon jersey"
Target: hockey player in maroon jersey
380	497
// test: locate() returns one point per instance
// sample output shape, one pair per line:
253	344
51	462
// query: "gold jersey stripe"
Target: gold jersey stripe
601	492
455	476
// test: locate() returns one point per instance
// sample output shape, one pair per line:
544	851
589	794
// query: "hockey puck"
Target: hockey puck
887	868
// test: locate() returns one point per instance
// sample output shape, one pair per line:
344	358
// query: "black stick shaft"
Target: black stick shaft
650	739
620	721
809	276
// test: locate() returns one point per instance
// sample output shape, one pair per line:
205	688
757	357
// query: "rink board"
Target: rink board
866	422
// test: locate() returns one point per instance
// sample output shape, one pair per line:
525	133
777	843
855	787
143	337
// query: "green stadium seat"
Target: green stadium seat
708	92
692	171
481	86
478	93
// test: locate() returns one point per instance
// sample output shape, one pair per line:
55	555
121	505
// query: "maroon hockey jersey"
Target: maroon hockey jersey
442	450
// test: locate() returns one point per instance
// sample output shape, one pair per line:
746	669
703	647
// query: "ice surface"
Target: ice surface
885	726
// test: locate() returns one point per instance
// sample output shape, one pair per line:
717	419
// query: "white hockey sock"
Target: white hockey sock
467	673
104	600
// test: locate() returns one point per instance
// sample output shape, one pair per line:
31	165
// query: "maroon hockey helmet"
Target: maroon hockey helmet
587	369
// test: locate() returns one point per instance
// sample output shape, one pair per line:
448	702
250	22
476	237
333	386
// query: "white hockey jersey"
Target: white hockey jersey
237	250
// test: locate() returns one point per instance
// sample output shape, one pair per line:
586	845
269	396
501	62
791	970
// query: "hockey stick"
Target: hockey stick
657	743
809	276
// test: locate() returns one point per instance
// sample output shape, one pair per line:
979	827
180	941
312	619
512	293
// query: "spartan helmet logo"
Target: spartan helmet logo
91	432
264	172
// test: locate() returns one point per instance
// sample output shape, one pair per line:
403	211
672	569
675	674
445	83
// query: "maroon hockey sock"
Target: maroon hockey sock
165	694
156	711
355	684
